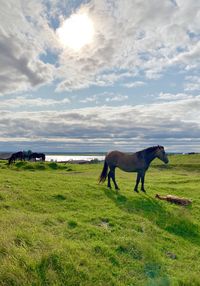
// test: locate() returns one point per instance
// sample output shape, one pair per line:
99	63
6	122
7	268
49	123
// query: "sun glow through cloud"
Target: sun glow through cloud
76	32
130	66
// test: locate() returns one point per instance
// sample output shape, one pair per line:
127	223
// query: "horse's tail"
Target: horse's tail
104	172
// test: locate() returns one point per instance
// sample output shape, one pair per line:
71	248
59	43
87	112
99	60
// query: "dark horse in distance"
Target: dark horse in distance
37	155
136	162
16	156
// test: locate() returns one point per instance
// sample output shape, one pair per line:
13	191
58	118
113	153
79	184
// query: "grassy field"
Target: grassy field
59	227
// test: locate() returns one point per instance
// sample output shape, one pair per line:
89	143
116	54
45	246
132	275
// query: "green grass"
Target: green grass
59	227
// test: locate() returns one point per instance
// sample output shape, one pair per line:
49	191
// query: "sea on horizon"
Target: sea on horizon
64	158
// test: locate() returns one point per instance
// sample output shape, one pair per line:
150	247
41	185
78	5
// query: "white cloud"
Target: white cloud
18	68
134	84
92	98
171	97
172	123
134	39
108	79
131	37
104	97
28	102
117	97
24	33
192	83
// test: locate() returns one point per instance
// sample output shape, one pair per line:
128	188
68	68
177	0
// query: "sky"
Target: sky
99	75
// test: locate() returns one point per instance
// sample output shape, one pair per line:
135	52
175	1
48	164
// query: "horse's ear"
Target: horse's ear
160	147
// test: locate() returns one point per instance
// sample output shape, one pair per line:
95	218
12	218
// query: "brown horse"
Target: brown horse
136	162
16	156
37	155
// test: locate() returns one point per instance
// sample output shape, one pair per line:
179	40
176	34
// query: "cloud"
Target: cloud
22	41
172	97
134	84
29	102
174	124
17	70
117	97
131	38
192	83
104	97
133	41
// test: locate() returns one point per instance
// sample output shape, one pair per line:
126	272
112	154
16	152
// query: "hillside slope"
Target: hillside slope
59	227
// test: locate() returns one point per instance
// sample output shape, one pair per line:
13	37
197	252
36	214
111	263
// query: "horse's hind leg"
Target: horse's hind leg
109	176
113	178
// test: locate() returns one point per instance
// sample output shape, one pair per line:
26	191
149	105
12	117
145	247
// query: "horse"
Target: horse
37	155
138	162
15	156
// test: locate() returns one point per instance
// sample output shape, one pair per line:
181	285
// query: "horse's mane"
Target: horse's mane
151	149
148	150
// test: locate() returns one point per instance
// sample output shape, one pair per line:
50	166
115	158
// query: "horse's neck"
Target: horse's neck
149	157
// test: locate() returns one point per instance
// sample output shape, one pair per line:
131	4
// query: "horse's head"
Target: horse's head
160	153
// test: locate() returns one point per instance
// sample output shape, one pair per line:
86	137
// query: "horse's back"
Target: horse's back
18	154
33	155
37	155
113	157
128	162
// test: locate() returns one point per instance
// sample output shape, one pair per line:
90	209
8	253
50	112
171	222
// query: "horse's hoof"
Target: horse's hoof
143	191
136	191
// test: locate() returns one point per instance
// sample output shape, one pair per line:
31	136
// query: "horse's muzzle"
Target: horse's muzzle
166	160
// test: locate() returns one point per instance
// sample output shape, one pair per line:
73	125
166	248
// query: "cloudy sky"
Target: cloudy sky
99	75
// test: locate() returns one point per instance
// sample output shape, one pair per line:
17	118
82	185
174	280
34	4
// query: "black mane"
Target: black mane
151	149
147	151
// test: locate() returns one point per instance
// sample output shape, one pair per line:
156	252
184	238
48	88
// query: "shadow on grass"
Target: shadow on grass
59	197
175	222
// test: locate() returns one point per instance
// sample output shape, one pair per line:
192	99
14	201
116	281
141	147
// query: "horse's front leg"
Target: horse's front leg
137	182
142	181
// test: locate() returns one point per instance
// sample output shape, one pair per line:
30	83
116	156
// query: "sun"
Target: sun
76	31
